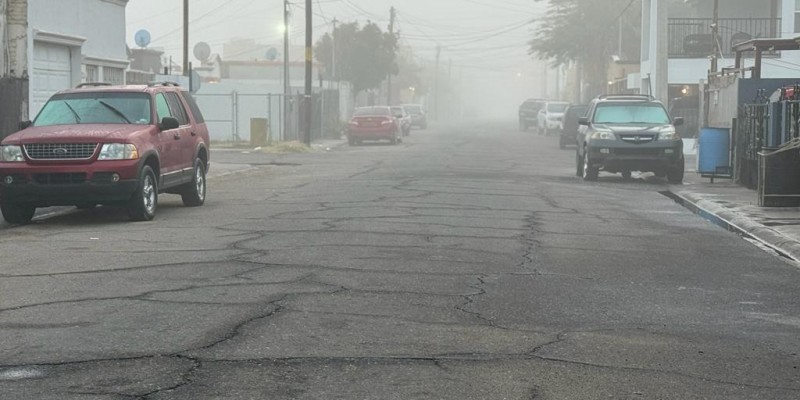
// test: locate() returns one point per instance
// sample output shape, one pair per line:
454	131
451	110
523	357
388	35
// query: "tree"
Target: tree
365	56
586	32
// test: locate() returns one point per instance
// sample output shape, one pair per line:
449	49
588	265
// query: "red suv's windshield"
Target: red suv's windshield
96	108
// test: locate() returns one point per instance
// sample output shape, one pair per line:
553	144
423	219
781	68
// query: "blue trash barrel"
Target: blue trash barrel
713	150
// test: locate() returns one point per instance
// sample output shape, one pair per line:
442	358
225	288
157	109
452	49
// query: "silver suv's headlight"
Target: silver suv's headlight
603	135
11	153
668	134
118	151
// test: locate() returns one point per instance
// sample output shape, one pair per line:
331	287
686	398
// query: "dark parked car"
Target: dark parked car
110	145
373	123
569	135
529	113
627	133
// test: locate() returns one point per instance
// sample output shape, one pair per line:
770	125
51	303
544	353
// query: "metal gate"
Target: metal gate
752	129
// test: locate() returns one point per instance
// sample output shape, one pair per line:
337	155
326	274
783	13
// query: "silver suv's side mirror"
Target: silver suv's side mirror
583	121
678	121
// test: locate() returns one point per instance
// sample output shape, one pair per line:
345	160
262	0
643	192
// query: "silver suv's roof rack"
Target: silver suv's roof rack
626	97
163	83
92	84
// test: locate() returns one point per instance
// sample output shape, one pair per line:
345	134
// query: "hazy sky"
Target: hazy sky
484	38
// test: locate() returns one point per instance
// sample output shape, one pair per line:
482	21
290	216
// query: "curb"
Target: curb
738	223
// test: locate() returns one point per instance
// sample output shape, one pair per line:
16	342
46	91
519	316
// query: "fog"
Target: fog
484	67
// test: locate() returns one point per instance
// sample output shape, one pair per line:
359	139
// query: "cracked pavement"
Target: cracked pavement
467	263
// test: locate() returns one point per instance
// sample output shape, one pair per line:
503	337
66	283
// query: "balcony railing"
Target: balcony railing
693	38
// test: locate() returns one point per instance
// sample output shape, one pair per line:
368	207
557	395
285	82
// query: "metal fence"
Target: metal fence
228	115
693	37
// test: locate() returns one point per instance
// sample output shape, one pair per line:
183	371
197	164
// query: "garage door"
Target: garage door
52	72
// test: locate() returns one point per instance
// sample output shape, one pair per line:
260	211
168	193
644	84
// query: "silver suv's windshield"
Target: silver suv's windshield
96	108
647	113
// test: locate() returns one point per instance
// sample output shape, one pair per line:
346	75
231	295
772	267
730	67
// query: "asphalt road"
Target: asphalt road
467	263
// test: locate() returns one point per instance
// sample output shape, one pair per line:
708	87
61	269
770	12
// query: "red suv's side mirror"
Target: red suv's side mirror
168	123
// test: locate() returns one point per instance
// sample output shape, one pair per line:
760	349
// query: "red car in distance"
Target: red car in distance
373	123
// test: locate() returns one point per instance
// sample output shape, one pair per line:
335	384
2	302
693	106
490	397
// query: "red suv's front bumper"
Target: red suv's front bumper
43	185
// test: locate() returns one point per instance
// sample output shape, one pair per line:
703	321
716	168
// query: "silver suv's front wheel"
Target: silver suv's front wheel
590	173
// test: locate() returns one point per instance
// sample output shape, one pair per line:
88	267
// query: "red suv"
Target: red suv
110	145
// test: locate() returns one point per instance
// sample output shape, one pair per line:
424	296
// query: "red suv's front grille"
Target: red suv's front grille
60	151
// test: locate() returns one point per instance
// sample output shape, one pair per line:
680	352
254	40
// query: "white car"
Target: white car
551	117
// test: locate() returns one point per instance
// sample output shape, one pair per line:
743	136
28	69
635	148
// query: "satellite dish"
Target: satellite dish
202	51
142	38
272	54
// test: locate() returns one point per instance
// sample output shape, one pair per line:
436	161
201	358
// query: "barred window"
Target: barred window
114	76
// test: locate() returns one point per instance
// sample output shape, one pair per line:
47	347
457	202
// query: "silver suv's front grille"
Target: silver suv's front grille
638	139
60	151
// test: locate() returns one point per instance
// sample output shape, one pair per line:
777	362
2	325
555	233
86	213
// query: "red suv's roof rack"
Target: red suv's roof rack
92	84
164	83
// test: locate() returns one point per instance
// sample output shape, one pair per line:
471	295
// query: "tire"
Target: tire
590	173
351	141
626	175
143	204
194	192
19	214
578	164
675	174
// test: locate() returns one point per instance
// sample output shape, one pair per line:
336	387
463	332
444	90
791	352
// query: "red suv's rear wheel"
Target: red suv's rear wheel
194	193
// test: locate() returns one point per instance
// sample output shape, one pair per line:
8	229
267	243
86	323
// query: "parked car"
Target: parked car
419	117
529	113
625	133
110	145
373	123
551	117
404	119
569	134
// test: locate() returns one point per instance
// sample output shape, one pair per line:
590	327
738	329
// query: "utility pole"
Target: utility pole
436	82
185	37
333	53
715	36
287	86
449	89
392	14
308	103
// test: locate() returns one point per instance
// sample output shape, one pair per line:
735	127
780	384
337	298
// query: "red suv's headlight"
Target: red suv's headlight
11	153
118	151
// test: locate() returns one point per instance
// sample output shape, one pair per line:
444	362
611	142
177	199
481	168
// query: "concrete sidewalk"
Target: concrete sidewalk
736	208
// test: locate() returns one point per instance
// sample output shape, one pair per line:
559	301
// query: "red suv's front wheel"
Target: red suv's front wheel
143	204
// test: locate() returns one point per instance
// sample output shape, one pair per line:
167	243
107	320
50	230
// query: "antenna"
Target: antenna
202	51
142	38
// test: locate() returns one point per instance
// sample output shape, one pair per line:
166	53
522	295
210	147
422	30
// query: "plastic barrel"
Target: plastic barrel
713	150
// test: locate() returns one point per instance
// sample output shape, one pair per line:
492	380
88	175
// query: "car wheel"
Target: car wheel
194	194
626	174
675	174
351	141
20	214
578	164
590	173
143	204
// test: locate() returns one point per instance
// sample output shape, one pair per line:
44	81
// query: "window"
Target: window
796	16
198	116
162	107
176	107
92	73
114	76
95	108
630	114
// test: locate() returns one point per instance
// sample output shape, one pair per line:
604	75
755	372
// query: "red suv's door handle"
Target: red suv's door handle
194	133
177	136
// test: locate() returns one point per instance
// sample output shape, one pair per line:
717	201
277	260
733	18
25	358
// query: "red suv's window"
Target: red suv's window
95	108
162	107
176	106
